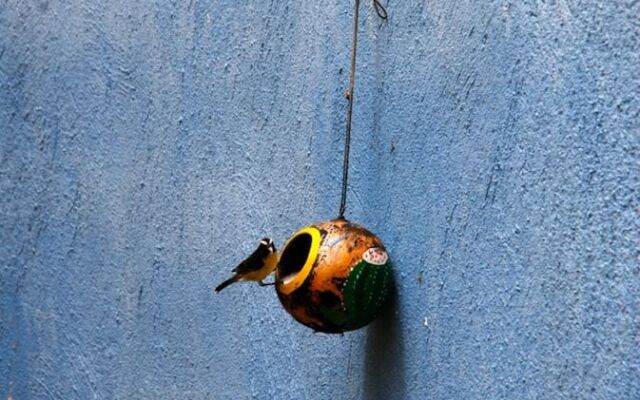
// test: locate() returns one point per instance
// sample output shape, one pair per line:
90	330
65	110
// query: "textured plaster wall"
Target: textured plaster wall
145	147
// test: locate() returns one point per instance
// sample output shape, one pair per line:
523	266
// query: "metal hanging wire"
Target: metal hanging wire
382	13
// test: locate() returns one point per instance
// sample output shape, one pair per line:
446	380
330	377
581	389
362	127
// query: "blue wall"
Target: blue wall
145	148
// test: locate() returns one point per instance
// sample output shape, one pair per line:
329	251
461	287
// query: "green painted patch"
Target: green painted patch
337	316
365	292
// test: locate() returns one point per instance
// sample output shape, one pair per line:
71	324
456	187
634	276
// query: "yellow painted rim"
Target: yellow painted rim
301	276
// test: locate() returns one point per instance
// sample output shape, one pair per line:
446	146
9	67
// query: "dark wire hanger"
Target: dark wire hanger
380	10
382	13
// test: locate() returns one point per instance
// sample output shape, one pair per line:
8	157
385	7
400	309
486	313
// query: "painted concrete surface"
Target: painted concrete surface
145	147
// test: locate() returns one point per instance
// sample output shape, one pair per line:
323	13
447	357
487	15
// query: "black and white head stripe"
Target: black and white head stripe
266	242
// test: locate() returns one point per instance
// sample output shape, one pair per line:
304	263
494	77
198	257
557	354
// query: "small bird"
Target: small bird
256	267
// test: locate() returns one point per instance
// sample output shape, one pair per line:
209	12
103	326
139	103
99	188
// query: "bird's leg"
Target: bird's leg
260	283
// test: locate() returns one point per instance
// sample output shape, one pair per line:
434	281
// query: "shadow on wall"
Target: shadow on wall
384	360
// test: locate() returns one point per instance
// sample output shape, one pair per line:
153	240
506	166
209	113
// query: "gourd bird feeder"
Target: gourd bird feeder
335	276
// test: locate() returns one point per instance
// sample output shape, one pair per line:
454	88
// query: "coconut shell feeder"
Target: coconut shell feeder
335	276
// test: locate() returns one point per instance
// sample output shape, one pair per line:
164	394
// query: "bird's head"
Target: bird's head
268	244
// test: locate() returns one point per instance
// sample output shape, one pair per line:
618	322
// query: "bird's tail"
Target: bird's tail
227	283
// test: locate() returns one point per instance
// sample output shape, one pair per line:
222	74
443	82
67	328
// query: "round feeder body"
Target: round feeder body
333	276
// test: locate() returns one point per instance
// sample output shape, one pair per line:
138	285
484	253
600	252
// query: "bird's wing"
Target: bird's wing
253	263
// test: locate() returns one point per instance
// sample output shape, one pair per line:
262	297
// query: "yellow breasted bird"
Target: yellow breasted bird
256	267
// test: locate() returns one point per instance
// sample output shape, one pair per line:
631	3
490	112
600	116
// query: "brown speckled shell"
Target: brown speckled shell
342	246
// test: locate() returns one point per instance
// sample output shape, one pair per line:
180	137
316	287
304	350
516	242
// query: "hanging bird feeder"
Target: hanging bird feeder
335	276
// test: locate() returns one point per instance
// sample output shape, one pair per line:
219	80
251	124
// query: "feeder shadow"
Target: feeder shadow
384	376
